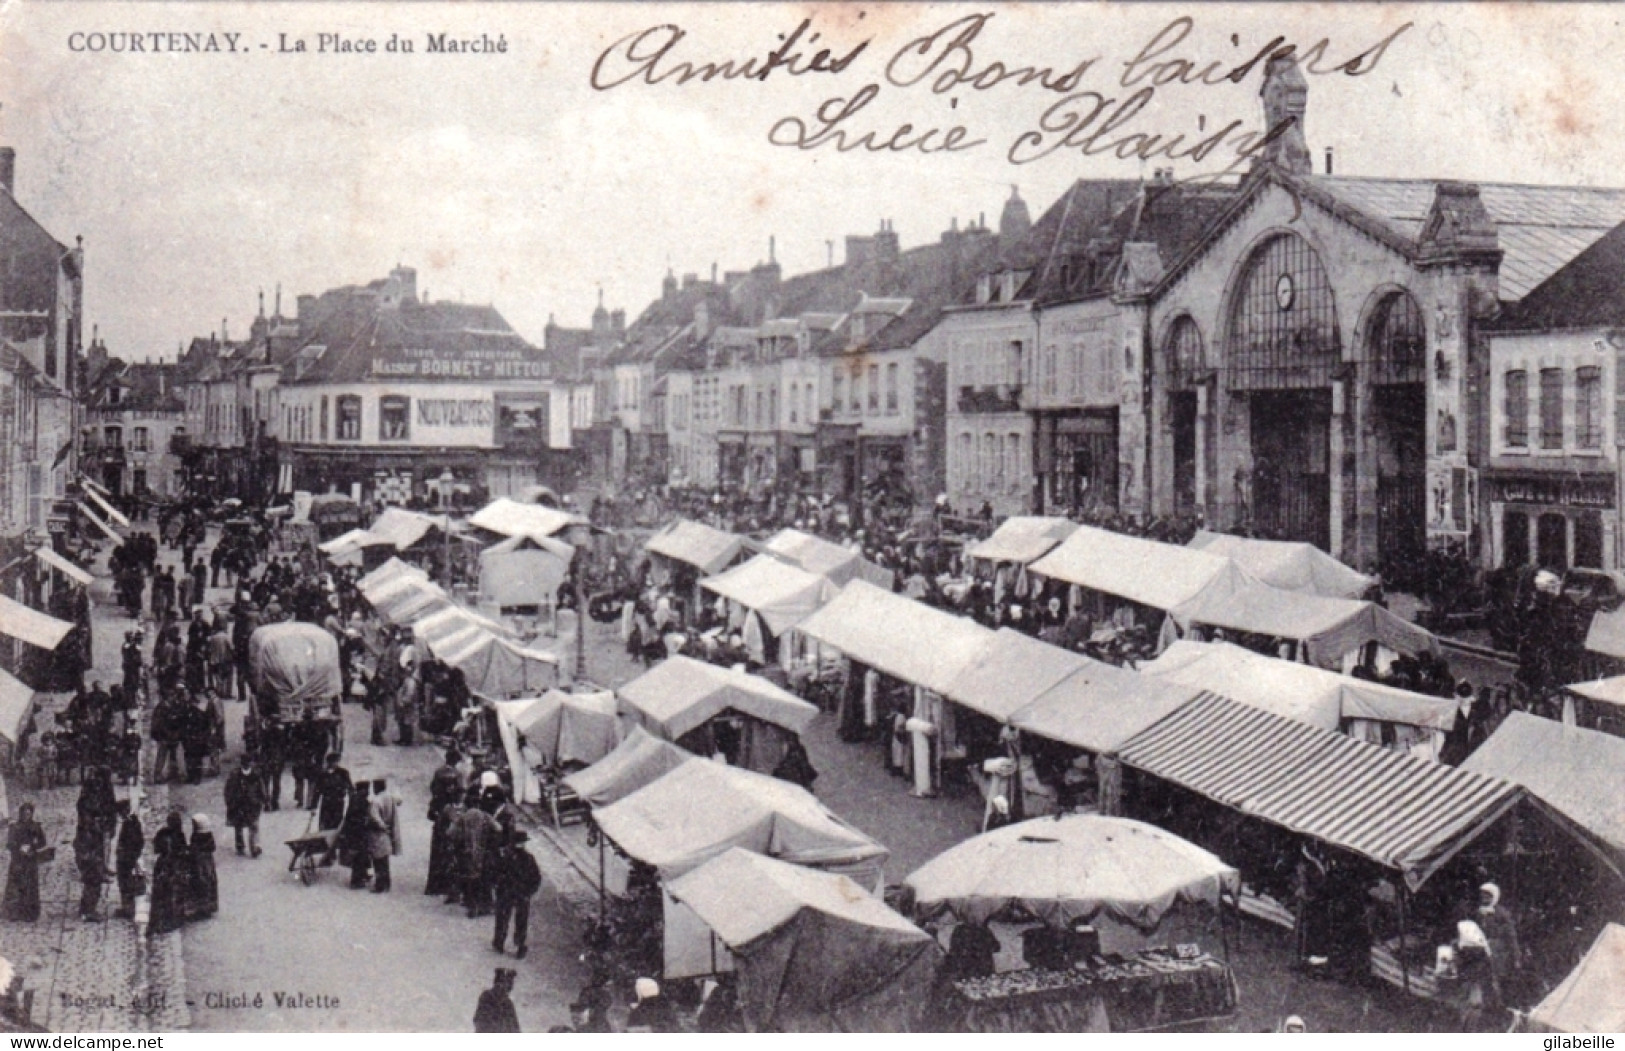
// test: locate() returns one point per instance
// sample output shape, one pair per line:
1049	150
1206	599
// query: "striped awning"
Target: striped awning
1404	813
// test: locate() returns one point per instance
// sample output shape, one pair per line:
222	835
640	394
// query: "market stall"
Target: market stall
1022	540
404	530
1579	773
710	710
701	809
1408	722
694	550
1288	565
813	951
569	728
524	573
511	518
914	644
391	570
1327	632
1588	1000
1096	888
640	759
1152	574
826	559
496	667
1597	705
348	549
777	595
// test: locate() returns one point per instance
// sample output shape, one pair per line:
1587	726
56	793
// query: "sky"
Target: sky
198	180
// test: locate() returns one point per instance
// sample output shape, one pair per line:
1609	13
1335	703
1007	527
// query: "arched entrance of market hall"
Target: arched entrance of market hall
1283	349
1396	364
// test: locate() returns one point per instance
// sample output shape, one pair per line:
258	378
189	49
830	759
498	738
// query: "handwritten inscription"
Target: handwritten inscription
1094	105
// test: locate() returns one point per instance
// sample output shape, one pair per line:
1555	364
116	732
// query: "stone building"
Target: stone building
132	414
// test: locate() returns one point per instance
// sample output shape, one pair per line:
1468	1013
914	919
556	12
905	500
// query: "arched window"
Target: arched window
1396	342
1283	321
1183	359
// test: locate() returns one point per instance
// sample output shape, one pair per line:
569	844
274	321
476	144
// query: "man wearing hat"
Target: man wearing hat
495	1012
383	833
517	879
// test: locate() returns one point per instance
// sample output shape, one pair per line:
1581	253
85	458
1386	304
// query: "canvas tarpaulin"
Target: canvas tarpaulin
30	625
1288	565
294	663
1329	628
1609	691
16	701
524	570
640	759
411	601
1403	813
905	639
526	788
700	809
1579	773
781	594
1076	867
512	518
1607	633
1010	672
568	727
1588	1000
1153	574
825	558
695	544
1296	691
1101	706
394	569
451	621
495	667
1022	539
680	694
403	529
813	951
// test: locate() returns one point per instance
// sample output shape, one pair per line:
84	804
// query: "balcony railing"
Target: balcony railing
1002	398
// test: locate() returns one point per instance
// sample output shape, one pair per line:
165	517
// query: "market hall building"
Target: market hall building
1319	360
391	397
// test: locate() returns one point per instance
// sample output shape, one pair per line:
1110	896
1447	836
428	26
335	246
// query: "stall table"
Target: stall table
1153	989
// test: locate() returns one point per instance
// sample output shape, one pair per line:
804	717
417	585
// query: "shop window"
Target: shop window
1517	409
1552	542
349	418
1551	408
1588	408
394	418
1588	540
1514	539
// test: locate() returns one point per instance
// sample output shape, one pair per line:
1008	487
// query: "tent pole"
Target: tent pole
603	904
1404	965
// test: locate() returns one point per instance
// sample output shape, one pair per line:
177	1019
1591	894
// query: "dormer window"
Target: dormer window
1008	282
984	289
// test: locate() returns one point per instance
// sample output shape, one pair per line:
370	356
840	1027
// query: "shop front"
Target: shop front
1077	461
1553	519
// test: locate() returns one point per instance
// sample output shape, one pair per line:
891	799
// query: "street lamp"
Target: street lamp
580	537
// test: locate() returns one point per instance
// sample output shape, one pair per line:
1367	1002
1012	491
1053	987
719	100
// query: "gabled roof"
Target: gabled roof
1584	292
362	330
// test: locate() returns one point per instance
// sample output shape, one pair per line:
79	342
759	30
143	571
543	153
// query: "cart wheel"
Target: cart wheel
307	873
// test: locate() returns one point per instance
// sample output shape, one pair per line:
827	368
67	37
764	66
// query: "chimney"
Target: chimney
8	169
690	280
858	249
713	272
224	338
279	299
772	244
1328	160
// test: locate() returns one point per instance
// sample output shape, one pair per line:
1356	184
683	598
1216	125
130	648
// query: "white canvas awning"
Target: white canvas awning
512	518
1153	574
905	639
524	570
696	544
107	508
1022	539
1296	691
1287	565
67	568
1010	673
96	520
16	701
31	626
681	694
1588	1000
781	594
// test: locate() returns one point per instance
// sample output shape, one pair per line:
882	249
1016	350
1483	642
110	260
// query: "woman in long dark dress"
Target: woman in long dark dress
171	876
24	842
203	899
351	842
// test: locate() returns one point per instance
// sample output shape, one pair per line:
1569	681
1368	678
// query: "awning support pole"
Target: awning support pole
603	903
1404	965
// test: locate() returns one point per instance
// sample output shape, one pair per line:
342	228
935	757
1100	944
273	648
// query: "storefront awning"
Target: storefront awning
16	701
905	639
67	568
1607	633
1403	813
108	509
31	626
96	520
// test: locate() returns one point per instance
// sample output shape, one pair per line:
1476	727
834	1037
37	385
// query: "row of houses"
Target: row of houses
41	320
1378	366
